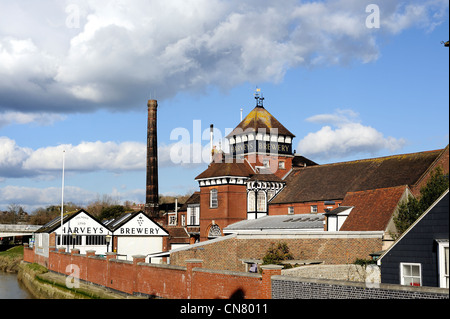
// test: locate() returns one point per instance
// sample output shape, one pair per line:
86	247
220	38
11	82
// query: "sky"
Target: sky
352	79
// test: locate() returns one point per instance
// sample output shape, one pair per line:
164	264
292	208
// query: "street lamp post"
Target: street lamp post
108	240
73	240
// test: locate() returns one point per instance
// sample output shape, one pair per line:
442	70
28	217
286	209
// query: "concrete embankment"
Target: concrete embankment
43	284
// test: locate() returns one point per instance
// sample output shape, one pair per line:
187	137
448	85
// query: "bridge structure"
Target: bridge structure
12	230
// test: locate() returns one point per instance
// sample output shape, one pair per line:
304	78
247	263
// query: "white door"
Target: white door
132	245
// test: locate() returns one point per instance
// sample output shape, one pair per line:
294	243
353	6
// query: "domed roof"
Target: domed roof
260	119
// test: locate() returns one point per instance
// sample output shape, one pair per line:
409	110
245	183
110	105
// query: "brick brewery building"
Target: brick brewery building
261	175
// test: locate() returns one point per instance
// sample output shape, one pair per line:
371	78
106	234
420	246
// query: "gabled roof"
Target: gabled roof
372	209
193	200
333	181
56	222
260	118
442	200
127	217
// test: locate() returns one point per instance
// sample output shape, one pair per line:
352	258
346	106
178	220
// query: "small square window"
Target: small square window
313	208
411	274
281	165
290	210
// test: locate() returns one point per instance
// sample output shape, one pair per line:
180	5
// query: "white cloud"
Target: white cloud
17	161
32	198
42	119
345	137
90	54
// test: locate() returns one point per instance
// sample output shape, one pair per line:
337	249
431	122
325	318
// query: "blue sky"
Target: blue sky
77	76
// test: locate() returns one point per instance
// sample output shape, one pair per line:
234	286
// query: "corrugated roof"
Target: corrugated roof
333	181
288	222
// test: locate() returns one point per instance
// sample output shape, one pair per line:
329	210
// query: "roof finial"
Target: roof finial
259	97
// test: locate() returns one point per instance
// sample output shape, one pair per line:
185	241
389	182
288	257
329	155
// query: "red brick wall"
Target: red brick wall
166	281
232	207
329	250
301	208
442	162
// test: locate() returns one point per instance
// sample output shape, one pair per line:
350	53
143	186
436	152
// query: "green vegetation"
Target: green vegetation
277	253
10	259
411	209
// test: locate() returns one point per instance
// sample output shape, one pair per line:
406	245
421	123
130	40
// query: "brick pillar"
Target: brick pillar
190	265
75	251
267	272
108	278
136	259
90	253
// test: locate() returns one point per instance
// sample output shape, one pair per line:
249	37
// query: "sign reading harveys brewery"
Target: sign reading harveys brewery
261	147
82	224
140	225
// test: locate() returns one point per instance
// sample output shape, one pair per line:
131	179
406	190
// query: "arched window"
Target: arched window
262	203
214	231
213	203
251	201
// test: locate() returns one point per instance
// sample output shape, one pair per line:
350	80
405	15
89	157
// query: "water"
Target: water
11	288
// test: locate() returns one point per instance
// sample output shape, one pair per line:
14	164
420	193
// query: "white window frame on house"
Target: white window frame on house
407	275
172	219
261	201
281	165
213	198
443	264
183	220
193	215
291	210
313	208
251	200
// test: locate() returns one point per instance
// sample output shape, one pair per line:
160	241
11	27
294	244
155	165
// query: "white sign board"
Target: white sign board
140	225
82	224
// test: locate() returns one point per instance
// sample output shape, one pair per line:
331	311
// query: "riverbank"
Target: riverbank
10	259
43	284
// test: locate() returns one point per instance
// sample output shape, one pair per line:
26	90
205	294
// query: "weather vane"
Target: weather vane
259	97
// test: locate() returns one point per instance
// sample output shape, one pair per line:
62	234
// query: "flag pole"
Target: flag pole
62	197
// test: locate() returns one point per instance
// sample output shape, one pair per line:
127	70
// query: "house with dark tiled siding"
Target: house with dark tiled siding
420	257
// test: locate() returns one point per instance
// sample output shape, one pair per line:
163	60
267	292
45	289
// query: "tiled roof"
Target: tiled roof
333	181
227	169
194	199
372	209
260	118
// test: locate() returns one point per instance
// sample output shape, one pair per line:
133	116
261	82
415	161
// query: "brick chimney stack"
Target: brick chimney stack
151	200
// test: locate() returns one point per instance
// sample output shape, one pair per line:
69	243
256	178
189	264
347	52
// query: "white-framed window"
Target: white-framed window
291	210
251	201
281	165
213	203
261	201
266	163
443	264
183	220
313	208
410	274
172	219
193	215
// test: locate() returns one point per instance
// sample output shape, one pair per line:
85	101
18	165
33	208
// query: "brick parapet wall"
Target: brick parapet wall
336	248
155	280
307	288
